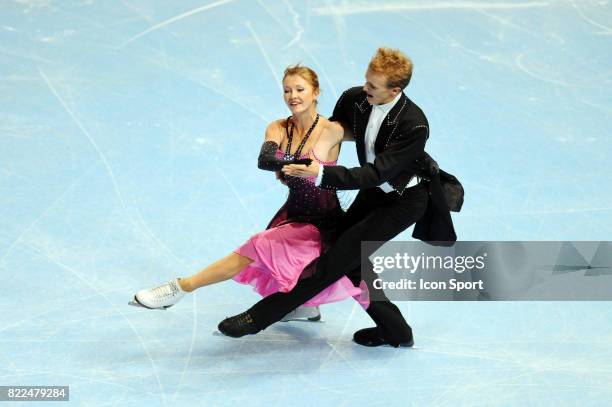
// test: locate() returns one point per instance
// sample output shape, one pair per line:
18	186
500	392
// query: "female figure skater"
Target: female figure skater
303	227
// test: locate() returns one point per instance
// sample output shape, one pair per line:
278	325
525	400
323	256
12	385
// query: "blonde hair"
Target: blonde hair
306	73
394	65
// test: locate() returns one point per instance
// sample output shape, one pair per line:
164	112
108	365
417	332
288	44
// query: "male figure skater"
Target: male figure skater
390	132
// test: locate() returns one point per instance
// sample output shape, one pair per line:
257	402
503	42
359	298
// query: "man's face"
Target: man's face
376	89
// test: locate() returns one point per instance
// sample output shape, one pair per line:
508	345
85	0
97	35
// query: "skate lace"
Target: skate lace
165	291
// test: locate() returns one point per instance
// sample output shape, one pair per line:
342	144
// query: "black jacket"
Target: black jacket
400	154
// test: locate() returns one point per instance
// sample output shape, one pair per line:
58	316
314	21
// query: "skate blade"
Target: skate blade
316	318
135	303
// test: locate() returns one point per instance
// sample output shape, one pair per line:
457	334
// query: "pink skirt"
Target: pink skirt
280	254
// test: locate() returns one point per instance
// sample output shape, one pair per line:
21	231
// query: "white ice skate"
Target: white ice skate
303	313
162	297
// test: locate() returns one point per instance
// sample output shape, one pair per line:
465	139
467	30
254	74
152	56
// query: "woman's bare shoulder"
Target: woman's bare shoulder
276	130
279	124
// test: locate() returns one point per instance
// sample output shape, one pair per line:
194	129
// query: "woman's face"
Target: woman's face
299	94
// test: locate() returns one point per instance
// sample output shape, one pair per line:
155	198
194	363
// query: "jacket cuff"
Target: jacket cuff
319	176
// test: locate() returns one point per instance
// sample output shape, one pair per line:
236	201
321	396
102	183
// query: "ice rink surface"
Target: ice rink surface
129	132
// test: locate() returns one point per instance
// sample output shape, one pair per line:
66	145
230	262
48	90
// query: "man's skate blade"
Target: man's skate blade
304	319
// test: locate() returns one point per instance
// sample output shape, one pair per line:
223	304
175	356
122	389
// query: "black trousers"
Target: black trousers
373	216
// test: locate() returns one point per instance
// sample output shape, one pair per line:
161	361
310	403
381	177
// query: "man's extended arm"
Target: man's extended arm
399	156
